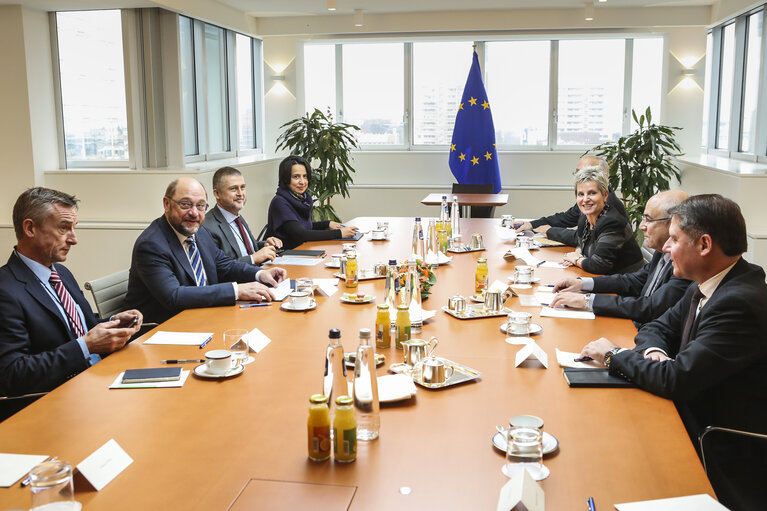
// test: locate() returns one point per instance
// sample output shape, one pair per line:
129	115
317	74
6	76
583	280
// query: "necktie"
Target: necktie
67	303
244	234
691	316
194	258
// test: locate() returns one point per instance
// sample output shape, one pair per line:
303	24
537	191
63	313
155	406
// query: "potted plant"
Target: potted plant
641	163
316	138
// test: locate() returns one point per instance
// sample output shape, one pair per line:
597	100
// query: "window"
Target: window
320	77
374	95
520	101
245	86
751	81
726	87
646	77
92	80
707	88
188	91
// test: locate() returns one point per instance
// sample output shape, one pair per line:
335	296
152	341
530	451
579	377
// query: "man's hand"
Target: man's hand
129	319
568	285
524	226
571	258
272	276
267	253
273	242
657	356
573	300
107	337
542	229
254	291
597	349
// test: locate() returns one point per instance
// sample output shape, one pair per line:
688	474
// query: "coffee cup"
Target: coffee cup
523	274
336	258
218	361
434	371
378	234
507	221
524	242
300	300
349	247
518	323
383	226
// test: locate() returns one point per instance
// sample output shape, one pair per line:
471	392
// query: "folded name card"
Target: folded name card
532	350
104	464
521	493
257	341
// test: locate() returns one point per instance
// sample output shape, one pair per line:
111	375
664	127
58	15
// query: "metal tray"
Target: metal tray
477	311
461	374
465	249
365	274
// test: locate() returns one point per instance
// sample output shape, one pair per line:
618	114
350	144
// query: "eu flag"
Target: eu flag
473	158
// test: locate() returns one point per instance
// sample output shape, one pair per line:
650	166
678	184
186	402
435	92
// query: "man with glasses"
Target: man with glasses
643	295
569	218
177	266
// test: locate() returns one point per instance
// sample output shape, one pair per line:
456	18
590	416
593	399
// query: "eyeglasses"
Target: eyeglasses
186	205
648	219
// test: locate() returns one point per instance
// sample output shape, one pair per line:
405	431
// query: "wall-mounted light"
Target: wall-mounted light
282	78
331	5
358	20
278	78
589	14
685	72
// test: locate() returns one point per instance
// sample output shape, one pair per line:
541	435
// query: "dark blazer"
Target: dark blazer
631	301
569	218
222	234
161	283
610	248
38	348
719	378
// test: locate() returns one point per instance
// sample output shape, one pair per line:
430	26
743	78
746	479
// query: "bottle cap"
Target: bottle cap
318	399
364	333
392	262
418	219
344	400
334	333
403	307
482	260
383	306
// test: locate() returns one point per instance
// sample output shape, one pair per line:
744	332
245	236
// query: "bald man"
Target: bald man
570	217
643	295
176	264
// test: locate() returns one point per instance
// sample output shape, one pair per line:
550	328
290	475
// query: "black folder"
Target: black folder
600	378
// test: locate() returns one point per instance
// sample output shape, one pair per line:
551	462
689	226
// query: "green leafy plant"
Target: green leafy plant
641	163
327	145
426	277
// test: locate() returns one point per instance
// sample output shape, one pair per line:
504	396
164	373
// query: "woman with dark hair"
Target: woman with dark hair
290	212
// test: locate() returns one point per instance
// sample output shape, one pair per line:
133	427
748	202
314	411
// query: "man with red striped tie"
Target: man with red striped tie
48	331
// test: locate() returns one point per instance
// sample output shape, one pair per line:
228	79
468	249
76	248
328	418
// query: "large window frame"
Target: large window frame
409	144
758	150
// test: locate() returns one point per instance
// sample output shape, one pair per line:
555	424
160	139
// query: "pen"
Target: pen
590	502
246	305
549	285
582	359
205	342
28	479
540	263
187	361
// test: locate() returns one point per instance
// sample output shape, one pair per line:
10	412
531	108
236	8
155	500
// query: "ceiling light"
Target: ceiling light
358	20
589	16
331	5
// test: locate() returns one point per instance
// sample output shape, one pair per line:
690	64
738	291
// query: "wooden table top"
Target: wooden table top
468	199
199	447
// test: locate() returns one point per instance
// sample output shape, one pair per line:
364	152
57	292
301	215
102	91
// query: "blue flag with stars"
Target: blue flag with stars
473	158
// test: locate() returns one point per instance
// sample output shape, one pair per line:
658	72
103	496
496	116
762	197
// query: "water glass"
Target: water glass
306	285
524	447
236	341
52	488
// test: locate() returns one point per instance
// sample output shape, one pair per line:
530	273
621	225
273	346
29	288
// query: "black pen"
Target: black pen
583	359
187	361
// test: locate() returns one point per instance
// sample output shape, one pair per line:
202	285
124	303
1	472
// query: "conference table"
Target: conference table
240	443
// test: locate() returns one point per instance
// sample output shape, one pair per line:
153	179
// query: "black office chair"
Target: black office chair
738	476
11	405
262	233
476	211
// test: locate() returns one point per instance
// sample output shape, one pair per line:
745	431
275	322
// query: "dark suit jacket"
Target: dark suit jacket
161	283
631	301
222	234
38	349
569	218
719	378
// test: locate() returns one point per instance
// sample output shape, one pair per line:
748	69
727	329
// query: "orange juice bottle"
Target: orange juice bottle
480	277
318	426
352	273
383	327
344	431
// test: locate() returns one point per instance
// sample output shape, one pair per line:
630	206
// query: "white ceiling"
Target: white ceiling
278	8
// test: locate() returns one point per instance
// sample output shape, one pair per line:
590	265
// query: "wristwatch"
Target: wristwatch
588	299
609	356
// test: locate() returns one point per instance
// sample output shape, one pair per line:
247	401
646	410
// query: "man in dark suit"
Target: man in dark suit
48	332
224	222
643	295
176	265
569	218
709	352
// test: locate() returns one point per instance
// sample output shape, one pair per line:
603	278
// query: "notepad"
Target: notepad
700	502
303	253
151	374
566	313
179	338
15	466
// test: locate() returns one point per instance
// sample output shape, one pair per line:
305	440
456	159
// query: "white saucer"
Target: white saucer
331	264
249	360
368	299
534	329
520	286
511	280
519	341
201	371
550	442
287	306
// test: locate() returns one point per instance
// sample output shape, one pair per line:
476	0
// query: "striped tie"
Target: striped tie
194	258
67	303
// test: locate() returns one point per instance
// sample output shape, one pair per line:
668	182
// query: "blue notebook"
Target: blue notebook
152	375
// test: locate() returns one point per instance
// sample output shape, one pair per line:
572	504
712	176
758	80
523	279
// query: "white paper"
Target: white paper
327	287
525	255
497	285
179	338
521	493
392	387
104	464
282	290
529	301
701	502
440	258
15	466
544	298
295	261
532	350
257	341
551	264
505	233
567	359
566	313
117	384
424	314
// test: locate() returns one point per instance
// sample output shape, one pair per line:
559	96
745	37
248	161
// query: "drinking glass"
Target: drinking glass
306	285
524	447
236	341
52	488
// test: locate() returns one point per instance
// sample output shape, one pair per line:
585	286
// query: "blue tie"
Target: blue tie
194	258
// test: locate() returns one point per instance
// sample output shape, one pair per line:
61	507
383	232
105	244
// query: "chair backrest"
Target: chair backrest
647	253
261	234
459	188
109	292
